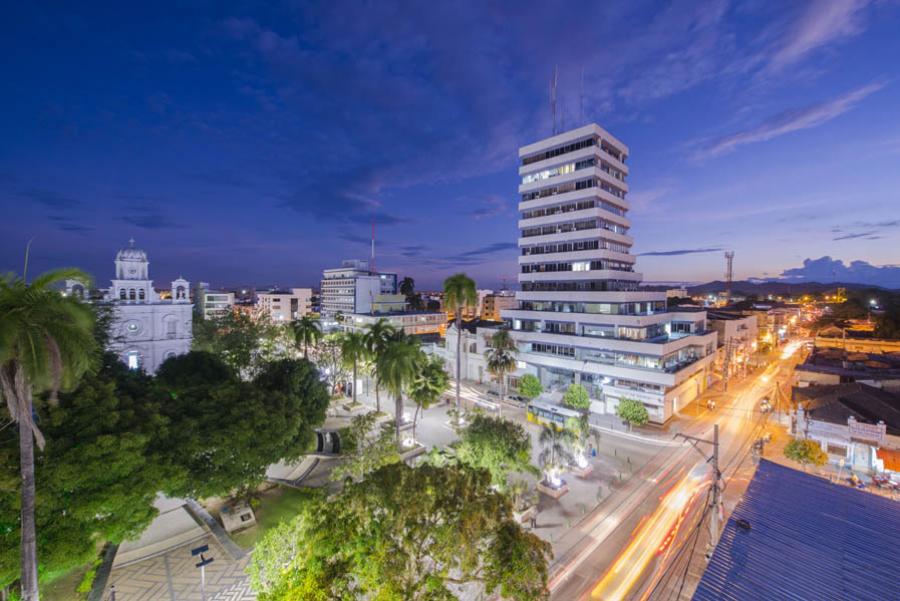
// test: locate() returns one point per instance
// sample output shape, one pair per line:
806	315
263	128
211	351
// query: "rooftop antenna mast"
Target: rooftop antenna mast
372	260
553	83
729	274
581	99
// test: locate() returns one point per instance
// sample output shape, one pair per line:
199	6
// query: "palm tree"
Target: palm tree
429	383
459	294
46	343
353	352
501	359
556	453
396	367
377	337
307	332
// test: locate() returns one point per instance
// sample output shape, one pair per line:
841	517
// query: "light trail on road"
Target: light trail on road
653	538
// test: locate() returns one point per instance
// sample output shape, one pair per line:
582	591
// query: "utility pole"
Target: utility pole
716	500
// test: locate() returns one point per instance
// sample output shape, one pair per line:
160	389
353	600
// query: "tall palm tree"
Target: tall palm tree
46	343
501	359
428	384
378	335
396	367
459	294
307	332
556	453
353	352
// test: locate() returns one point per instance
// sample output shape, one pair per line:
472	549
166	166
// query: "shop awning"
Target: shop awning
891	458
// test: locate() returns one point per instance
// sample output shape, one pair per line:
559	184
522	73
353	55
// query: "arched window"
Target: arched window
131	294
141	294
122	293
179	293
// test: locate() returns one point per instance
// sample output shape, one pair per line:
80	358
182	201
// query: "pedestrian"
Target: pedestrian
533	521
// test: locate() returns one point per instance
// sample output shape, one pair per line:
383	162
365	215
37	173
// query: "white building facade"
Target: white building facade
581	317
146	330
212	304
353	288
285	305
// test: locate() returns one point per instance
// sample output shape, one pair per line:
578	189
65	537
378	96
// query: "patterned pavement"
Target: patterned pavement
173	576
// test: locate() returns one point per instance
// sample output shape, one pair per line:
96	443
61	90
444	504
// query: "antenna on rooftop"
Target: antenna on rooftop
372	260
581	99
553	84
729	274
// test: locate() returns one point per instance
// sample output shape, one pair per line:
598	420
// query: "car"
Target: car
765	406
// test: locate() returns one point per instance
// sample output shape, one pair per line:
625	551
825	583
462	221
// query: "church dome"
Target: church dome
131	253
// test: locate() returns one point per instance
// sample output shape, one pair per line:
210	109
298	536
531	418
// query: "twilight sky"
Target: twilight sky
240	143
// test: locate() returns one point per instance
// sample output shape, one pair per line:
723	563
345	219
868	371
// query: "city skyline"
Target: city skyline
258	146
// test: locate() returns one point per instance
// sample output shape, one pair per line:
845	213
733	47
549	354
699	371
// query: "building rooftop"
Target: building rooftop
836	404
872	366
398	313
807	539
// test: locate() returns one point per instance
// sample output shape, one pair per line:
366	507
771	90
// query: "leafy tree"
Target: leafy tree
433	305
805	452
576	397
403	533
530	387
459	295
225	432
243	342
353	354
556	452
329	358
307	332
497	445
46	344
367	446
428	384
582	436
97	477
633	412
408	289
396	367
378	335
501	359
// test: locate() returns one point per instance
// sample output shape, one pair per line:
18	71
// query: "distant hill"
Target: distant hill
764	288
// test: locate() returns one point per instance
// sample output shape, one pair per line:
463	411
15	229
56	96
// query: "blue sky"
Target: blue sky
245	143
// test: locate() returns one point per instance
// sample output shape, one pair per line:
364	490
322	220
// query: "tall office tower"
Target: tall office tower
581	317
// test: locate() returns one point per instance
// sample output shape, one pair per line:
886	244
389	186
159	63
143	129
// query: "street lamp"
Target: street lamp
204	561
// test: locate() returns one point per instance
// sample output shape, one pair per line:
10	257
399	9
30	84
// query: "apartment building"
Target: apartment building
285	305
493	304
212	304
353	288
580	316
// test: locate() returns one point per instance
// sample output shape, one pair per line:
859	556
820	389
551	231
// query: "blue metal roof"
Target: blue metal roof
809	539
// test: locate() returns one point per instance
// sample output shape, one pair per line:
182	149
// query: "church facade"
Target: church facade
147	329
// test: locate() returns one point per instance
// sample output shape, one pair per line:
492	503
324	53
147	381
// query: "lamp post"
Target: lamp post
204	561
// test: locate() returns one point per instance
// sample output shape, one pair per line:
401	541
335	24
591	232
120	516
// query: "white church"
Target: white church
147	330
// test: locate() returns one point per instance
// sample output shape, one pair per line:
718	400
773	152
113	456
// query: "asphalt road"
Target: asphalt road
627	543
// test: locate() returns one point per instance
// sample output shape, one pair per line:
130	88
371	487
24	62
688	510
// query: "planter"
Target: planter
582	472
524	516
551	491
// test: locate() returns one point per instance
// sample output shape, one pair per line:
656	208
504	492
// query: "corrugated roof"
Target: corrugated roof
809	539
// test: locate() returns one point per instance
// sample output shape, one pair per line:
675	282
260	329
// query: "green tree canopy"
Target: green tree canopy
225	432
97	477
530	386
403	533
633	412
367	446
307	333
576	397
242	341
428	384
497	445
806	452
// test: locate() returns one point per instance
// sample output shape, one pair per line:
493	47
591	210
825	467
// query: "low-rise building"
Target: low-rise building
475	338
493	304
212	304
285	305
736	337
829	366
414	323
856	425
855	338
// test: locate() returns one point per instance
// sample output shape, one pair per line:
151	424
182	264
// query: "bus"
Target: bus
549	414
